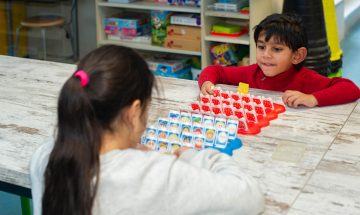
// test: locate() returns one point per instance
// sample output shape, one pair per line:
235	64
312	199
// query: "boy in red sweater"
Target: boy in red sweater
280	52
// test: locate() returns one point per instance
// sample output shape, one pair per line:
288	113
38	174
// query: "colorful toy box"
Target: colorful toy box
195	3
158	1
122	1
224	54
167	63
127	32
159	21
127	20
127	24
184	73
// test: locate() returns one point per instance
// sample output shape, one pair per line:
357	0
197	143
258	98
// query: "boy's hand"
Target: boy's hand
294	98
207	88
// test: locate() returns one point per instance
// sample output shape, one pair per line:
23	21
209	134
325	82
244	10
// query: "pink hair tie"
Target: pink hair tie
84	77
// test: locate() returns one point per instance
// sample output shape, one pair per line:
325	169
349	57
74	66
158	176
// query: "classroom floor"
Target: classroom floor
10	204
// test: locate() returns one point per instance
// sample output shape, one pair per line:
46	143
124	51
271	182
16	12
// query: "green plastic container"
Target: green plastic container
226	28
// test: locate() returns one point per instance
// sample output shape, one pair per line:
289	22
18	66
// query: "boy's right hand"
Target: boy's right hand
207	88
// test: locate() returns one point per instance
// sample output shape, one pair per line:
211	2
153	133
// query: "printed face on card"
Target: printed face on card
185	117
150	143
220	123
174	126
174	147
199	142
197	130
162	124
162	134
163	146
186	128
208	121
150	132
222	139
196	119
173	137
174	116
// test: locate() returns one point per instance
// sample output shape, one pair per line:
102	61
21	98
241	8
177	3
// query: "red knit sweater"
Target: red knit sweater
327	91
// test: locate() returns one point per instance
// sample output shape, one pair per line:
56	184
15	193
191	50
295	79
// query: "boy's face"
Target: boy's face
273	57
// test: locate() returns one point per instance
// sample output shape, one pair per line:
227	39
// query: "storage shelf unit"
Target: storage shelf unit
147	47
258	10
150	6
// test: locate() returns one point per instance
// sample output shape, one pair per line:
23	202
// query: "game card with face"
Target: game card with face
232	128
208	121
196	119
173	146
162	124
186	139
221	138
151	143
163	146
186	128
174	116
151	132
162	134
199	141
185	117
174	127
174	136
198	130
209	136
220	123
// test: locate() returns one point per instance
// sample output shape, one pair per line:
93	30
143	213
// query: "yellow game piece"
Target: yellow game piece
243	88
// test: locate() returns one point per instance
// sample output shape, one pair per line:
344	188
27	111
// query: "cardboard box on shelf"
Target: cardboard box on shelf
182	44
186	32
186	19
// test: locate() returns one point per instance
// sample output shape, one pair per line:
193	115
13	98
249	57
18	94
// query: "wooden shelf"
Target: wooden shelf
147	47
259	9
224	14
151	6
244	39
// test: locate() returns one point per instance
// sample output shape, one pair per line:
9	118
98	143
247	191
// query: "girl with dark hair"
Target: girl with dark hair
95	167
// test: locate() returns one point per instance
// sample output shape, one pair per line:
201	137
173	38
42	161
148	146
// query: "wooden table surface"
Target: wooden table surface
307	161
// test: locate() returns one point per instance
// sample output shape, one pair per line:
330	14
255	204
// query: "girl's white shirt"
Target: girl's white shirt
147	182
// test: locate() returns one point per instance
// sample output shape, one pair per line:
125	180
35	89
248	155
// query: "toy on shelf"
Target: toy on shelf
194	130
127	25
170	65
224	54
159	21
252	112
228	30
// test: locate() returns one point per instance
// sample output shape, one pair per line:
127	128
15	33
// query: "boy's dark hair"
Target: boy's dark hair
285	28
117	77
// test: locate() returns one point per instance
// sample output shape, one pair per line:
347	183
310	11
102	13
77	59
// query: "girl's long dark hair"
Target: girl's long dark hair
117	77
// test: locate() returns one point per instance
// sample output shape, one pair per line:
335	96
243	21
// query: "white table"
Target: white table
325	180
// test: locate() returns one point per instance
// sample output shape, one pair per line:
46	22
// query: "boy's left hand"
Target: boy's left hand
294	98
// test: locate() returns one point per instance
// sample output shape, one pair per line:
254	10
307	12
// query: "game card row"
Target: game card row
183	128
